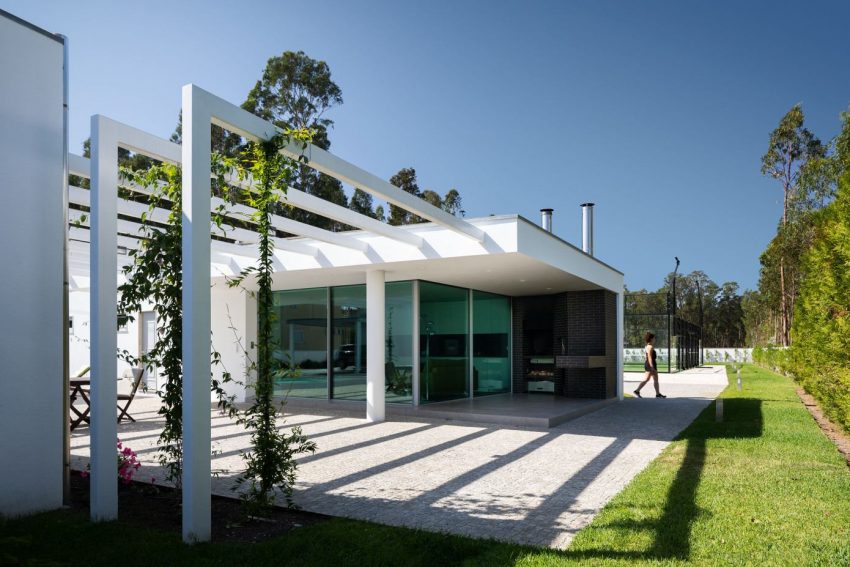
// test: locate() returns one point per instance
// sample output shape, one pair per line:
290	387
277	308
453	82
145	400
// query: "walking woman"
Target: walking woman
650	366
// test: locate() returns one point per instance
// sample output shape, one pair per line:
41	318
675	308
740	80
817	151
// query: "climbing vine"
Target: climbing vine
154	279
271	464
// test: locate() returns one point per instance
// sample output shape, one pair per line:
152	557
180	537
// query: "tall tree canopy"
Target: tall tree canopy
808	172
794	158
698	300
406	180
296	91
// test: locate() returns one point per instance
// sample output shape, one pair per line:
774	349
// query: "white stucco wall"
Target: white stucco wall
79	344
32	234
233	321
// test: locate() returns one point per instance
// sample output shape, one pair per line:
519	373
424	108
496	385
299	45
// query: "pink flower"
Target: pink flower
84	474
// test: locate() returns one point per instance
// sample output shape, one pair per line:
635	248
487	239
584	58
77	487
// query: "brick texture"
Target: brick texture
583	323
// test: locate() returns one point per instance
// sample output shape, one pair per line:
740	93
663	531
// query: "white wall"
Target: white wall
710	355
233	321
79	345
31	253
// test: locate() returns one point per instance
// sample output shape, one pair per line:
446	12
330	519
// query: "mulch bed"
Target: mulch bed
834	432
158	508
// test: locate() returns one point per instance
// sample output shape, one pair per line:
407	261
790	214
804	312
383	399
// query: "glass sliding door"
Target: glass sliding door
348	342
301	342
398	369
443	340
491	331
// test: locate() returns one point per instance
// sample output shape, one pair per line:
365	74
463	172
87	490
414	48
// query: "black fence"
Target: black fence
677	341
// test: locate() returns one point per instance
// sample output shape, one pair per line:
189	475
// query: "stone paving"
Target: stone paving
517	484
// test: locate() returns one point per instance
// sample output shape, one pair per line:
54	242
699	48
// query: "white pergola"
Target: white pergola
446	245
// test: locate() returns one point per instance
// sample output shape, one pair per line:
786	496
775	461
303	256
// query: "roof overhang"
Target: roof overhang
516	258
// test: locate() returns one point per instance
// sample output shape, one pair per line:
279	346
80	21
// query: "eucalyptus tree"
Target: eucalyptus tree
792	151
405	179
296	92
362	202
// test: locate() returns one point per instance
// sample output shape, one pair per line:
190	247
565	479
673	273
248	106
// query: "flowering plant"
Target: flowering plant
128	463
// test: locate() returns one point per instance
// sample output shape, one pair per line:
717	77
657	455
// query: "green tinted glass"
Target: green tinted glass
301	342
443	337
491	331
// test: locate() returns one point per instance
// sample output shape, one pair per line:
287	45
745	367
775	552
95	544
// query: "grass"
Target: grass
764	487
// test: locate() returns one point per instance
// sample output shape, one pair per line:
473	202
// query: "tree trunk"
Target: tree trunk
783	306
783	309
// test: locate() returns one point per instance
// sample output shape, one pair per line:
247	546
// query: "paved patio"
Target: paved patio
520	484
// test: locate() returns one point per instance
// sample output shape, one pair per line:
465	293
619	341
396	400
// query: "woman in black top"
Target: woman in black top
650	366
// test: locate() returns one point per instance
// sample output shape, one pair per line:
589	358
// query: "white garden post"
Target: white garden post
104	316
196	319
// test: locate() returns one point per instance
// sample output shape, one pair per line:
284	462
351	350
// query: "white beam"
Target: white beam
245	124
104	342
375	345
347	172
79	166
296	227
307	202
196	318
81	234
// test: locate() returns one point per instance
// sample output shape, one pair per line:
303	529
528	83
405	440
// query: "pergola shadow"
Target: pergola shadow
672	530
471	502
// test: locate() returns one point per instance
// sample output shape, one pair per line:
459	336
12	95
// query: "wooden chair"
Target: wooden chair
138	373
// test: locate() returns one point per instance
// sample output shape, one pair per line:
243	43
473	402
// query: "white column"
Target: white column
621	319
104	317
415	346
375	345
196	319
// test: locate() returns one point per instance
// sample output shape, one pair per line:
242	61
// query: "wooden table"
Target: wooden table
79	388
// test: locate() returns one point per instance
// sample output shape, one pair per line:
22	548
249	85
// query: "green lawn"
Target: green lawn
765	487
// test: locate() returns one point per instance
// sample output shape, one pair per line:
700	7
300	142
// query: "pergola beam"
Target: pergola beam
252	127
306	202
329	164
296	227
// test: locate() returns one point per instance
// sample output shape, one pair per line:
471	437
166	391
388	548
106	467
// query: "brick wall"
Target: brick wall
518	352
583	324
590	316
560	339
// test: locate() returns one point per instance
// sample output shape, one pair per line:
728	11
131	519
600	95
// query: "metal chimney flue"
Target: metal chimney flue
546	219
587	228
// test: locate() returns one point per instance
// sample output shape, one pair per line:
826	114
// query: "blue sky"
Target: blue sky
656	111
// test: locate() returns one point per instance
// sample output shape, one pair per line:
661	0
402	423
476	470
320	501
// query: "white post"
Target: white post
196	320
415	349
375	345
104	317
621	320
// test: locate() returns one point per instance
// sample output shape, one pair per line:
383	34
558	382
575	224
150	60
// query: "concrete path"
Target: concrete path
523	485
